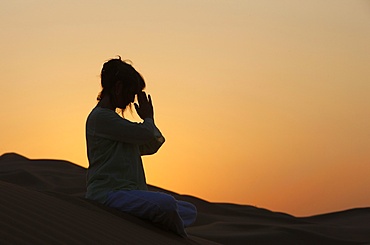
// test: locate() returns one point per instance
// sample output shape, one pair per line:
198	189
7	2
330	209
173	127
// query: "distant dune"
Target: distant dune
41	202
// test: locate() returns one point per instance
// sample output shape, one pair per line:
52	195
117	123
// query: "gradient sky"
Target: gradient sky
261	102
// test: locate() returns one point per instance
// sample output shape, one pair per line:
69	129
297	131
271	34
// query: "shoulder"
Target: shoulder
102	113
104	116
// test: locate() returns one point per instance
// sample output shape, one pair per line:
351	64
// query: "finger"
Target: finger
136	106
150	99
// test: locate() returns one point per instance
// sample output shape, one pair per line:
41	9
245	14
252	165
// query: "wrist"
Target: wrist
149	119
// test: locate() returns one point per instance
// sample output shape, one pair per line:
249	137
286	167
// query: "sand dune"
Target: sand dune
41	202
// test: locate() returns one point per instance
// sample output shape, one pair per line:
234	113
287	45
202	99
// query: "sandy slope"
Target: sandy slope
41	202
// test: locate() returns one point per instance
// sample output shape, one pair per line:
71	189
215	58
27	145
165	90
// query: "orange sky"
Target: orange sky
261	102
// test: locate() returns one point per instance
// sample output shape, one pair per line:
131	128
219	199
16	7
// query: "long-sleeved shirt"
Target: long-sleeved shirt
114	149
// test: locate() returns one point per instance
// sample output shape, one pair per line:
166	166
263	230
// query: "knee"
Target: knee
167	203
189	206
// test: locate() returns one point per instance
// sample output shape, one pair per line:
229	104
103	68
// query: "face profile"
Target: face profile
120	84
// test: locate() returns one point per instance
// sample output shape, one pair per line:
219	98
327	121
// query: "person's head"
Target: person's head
120	82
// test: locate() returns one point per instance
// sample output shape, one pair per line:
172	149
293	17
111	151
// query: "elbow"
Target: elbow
148	151
161	139
153	147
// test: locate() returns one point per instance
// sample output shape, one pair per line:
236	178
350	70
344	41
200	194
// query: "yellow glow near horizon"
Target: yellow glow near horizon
261	102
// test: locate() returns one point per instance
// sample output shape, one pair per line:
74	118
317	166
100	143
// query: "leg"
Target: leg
187	212
157	207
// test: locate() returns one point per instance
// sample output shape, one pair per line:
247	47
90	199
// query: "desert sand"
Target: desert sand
42	202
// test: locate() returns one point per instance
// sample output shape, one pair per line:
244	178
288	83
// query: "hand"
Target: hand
145	107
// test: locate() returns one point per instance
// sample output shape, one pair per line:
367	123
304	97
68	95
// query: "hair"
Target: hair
117	70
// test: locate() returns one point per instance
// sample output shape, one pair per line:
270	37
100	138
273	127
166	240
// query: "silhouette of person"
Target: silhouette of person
115	175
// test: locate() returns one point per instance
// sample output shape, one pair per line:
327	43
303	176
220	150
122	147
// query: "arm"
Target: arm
107	124
152	146
145	111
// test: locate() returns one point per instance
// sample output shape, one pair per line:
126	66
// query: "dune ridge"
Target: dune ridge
41	202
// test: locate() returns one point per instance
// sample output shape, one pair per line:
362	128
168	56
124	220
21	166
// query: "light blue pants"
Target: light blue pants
157	207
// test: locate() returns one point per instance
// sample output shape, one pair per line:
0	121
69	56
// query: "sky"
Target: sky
261	102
